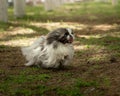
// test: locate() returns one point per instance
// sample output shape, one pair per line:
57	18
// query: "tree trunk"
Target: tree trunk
34	2
114	2
49	5
19	8
52	4
68	1
72	1
3	11
58	3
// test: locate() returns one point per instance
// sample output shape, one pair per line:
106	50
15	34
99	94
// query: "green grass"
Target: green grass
34	90
29	78
23	84
27	85
81	83
90	8
4	26
69	12
76	89
106	81
110	42
93	9
29	70
67	74
69	92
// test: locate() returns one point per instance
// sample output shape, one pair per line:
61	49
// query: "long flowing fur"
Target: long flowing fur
46	55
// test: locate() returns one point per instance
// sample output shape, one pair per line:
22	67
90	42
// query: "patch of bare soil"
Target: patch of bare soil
11	58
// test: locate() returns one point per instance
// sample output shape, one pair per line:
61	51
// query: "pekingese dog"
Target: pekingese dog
54	50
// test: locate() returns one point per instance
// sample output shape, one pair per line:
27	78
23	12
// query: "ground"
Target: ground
95	69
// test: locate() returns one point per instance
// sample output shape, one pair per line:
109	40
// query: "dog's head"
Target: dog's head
62	35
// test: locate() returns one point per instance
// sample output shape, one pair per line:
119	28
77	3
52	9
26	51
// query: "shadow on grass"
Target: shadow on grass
84	18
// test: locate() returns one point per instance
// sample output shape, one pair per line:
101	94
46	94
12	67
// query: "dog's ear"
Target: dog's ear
58	35
52	36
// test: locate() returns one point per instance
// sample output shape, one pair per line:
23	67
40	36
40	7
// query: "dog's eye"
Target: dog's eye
66	34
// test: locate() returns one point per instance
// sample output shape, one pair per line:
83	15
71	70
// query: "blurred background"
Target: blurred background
55	8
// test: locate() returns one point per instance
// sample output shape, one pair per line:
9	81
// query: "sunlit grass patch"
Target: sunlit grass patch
20	34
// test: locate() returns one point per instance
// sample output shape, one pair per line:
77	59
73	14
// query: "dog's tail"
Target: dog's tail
28	52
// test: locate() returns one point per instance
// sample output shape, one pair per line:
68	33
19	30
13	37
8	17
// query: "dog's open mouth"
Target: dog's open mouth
70	40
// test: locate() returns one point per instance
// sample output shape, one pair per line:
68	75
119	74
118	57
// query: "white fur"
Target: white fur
70	32
48	57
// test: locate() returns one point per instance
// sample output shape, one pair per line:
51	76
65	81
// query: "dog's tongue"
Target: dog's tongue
71	40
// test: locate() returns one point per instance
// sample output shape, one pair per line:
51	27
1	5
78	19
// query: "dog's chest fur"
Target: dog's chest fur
51	56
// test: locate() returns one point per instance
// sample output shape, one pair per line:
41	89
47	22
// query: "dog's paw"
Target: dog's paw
29	64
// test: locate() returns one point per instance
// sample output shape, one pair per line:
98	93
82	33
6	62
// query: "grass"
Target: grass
76	10
79	84
22	84
95	68
4	26
104	41
69	92
89	11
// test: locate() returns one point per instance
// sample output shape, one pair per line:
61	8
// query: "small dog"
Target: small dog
54	50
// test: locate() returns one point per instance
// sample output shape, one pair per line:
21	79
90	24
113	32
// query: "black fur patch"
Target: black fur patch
58	35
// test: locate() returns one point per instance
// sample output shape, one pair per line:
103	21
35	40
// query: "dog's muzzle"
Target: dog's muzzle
70	39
